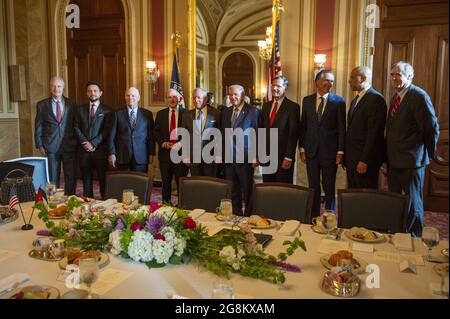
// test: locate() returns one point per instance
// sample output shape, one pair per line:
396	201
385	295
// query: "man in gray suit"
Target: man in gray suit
55	135
412	132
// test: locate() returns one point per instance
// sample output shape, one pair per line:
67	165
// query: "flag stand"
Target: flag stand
26	226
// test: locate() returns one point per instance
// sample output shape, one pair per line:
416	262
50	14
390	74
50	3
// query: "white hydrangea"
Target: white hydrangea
179	244
114	240
140	248
162	251
169	233
165	211
234	259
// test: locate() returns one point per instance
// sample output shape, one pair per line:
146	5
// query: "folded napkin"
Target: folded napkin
289	228
107	203
11	282
197	213
403	241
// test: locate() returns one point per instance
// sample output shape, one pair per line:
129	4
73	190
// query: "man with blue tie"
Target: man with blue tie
55	135
322	138
412	133
131	143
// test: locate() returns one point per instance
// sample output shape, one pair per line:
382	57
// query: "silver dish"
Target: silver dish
8	215
43	255
338	289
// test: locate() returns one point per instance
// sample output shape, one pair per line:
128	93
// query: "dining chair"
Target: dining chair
282	201
140	183
376	210
203	192
40	173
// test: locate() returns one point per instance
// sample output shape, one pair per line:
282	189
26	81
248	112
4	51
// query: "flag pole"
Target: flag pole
25	226
32	212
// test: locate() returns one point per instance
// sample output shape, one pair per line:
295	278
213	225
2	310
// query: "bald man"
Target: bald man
131	144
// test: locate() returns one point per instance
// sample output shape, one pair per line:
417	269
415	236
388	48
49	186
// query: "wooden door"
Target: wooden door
417	31
96	51
238	69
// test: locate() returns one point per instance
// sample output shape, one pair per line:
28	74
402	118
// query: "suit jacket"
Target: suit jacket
249	118
127	141
365	132
162	134
49	133
412	134
287	121
325	138
212	121
96	132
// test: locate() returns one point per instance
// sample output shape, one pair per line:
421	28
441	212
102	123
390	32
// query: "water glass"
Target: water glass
127	196
89	274
225	209
329	221
222	289
50	191
430	238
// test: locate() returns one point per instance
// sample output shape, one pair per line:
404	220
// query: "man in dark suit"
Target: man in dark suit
226	104
322	138
240	156
284	115
92	127
197	122
412	133
131	143
166	124
55	135
364	143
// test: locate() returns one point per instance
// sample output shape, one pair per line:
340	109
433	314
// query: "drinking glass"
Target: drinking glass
89	274
127	196
222	289
430	238
329	222
50	191
225	209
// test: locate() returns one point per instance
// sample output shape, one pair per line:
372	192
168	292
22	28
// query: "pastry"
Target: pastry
58	211
258	221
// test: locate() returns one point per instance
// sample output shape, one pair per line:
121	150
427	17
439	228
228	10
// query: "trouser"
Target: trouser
203	169
68	160
168	171
242	177
89	164
368	180
281	176
133	166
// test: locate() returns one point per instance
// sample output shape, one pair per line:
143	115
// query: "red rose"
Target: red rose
136	226
189	223
160	237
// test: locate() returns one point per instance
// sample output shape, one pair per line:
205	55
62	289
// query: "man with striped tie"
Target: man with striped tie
412	132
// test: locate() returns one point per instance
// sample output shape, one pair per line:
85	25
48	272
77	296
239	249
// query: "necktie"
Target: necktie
132	118
273	113
353	106
200	120
320	110
58	112
91	113
235	115
396	105
173	131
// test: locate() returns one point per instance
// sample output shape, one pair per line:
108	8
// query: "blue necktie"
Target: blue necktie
132	118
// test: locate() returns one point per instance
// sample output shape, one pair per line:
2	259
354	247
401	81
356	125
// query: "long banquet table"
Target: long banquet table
193	282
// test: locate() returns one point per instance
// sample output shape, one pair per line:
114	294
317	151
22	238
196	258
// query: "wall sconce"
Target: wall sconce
152	74
265	46
319	61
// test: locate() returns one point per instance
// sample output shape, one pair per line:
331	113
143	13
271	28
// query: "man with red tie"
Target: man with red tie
284	115
412	132
165	131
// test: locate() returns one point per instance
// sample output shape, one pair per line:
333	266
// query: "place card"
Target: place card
397	258
109	278
328	246
366	248
407	266
6	254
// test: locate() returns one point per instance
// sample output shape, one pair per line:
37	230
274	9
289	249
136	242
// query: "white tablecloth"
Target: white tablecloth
193	282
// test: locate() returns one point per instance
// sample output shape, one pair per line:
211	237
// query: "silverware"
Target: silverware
339	234
9	289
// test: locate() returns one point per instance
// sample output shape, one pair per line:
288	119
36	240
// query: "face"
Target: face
199	99
173	98
236	96
132	97
325	84
398	79
356	80
56	88
278	89
94	93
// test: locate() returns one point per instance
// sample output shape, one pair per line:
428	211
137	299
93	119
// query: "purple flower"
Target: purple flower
119	225
287	266
155	224
43	232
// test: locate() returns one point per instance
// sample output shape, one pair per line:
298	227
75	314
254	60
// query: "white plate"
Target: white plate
380	237
441	269
272	224
104	260
225	218
361	269
54	292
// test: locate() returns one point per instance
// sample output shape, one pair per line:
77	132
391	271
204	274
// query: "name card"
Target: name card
407	266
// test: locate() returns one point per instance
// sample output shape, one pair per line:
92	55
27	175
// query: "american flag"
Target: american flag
175	82
13	199
275	68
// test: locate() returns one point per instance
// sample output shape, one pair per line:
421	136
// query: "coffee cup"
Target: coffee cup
58	248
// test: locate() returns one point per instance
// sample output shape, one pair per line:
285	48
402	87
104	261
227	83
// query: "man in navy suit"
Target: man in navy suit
55	135
322	138
92	127
166	124
131	143
284	115
364	143
241	161
412	133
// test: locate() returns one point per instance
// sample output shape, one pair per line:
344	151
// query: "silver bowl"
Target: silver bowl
347	289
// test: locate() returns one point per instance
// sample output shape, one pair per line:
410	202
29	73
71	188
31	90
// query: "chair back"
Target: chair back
282	201
372	209
140	183
40	173
203	192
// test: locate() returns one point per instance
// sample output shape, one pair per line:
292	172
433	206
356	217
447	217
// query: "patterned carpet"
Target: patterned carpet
439	220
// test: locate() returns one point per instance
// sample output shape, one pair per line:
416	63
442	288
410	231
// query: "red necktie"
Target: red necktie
173	126
396	105
273	113
58	112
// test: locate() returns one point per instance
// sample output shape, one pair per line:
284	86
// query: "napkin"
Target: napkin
197	213
11	282
107	203
289	228
403	242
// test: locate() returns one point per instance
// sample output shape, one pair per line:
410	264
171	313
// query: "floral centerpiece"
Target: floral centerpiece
160	235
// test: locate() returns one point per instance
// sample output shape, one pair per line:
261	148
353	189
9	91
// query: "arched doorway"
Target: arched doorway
238	69
96	51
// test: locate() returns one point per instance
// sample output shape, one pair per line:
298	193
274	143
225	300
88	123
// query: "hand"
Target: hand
255	164
361	168
88	147
303	157
42	150
286	164
112	160
187	162
167	145
339	159
218	159
176	146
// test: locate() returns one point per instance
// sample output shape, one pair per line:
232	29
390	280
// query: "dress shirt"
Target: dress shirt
204	111
135	109
61	106
403	92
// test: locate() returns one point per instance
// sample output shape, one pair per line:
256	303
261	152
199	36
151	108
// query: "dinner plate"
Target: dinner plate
54	292
441	269
76	294
272	224
380	237
361	269
104	260
445	252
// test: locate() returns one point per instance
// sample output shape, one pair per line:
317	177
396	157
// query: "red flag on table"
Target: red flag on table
13	199
41	196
